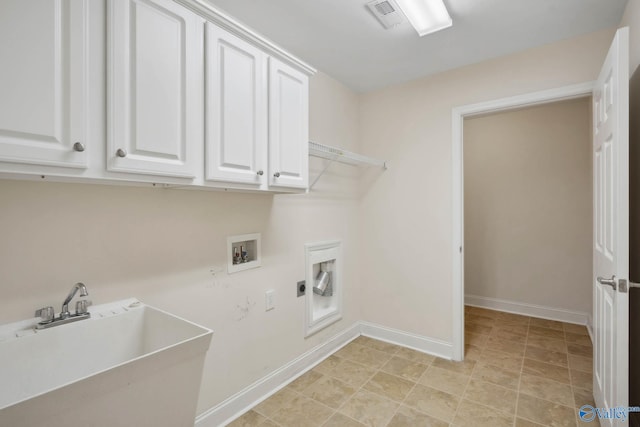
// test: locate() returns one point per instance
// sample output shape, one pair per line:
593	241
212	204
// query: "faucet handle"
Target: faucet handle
82	305
46	313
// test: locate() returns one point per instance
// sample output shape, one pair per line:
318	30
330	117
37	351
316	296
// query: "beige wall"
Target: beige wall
527	205
167	247
406	213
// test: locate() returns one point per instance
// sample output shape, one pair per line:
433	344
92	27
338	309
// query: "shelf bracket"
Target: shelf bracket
339	155
329	163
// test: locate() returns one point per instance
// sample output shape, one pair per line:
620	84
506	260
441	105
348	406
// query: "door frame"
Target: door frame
457	120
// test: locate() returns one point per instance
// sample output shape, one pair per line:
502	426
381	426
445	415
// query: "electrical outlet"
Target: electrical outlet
270	300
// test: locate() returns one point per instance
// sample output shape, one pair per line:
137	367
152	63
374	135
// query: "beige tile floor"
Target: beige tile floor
518	371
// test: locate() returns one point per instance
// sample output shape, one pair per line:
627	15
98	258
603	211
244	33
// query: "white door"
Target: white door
155	88
43	82
611	229
236	99
288	126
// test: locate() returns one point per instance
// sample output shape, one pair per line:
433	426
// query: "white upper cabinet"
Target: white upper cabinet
288	126
257	115
43	78
149	91
155	88
236	105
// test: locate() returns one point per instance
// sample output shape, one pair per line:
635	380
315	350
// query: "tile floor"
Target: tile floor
518	371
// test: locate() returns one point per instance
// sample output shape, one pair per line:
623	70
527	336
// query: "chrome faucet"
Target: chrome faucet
48	315
64	313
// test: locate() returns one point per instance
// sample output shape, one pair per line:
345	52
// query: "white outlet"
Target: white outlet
270	300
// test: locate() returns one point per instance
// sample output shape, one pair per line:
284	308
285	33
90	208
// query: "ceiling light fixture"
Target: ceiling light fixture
426	16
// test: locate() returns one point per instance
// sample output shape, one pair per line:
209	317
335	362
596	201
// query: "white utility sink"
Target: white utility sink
128	365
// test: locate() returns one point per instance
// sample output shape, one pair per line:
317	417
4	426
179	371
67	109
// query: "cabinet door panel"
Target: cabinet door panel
155	88
43	81
236	123
288	126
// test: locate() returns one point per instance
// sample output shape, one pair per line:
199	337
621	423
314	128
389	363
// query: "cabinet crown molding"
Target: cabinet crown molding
211	13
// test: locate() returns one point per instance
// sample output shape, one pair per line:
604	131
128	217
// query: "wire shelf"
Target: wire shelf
343	156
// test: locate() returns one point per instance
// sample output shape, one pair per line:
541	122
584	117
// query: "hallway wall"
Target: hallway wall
527	206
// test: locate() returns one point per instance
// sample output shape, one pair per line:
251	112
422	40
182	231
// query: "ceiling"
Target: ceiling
343	39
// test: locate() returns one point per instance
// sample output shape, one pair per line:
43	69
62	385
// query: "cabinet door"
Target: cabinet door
43	82
236	121
155	83
288	126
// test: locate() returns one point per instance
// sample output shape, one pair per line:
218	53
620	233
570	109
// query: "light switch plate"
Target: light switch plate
270	300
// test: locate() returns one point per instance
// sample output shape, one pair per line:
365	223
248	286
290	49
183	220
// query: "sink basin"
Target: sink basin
128	365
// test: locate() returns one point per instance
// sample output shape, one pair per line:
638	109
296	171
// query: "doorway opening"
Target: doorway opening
528	211
511	105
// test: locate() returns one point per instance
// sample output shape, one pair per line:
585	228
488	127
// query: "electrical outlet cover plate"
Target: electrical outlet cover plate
270	300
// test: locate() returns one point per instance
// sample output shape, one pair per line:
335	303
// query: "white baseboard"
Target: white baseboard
532	310
590	326
239	403
417	342
236	405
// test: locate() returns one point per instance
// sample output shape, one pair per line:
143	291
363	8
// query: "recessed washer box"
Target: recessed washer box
243	252
323	309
